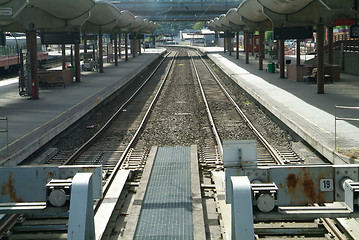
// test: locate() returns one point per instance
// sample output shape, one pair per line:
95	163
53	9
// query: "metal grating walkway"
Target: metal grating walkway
167	206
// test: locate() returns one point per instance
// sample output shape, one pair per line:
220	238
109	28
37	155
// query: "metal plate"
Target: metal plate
301	185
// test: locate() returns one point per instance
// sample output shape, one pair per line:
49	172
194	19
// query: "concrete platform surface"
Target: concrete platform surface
32	123
297	104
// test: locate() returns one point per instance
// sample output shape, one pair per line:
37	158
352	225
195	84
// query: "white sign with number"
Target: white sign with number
5	11
326	185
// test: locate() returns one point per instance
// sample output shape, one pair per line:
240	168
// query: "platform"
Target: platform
32	123
297	104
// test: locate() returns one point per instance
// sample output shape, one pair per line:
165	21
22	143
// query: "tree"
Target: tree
198	26
268	36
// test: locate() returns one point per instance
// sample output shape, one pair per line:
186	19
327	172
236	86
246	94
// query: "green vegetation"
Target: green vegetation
268	36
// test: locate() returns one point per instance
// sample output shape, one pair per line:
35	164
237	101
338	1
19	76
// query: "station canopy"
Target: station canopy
266	14
87	16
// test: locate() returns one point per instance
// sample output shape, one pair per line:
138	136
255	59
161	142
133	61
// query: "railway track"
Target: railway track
174	115
101	149
213	93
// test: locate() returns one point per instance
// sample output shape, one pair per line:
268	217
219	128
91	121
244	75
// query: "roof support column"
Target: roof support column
85	43
320	58
298	52
133	47
237	45
139	46
253	42
116	55
246	45
225	44
63	47
281	58
77	62
34	65
126	47
330	45
261	47
230	48
100	51
119	46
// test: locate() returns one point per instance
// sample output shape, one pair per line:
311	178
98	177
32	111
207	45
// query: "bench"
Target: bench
49	82
312	76
52	78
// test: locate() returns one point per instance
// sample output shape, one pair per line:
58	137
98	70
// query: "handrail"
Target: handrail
342	119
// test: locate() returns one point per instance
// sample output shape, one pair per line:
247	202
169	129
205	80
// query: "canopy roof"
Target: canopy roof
69	15
266	14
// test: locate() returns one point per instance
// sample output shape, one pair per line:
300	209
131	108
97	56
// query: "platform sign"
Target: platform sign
91	37
136	36
284	33
5	11
226	35
60	38
343	22
354	31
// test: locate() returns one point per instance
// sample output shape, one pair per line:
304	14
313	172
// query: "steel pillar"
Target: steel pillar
81	219
298	52
237	45
139	46
281	58
34	66
77	62
330	45
63	48
230	46
225	44
242	210
116	54
320	58
85	43
126	47
72	56
133	47
253	43
246	45
119	46
261	48
100	51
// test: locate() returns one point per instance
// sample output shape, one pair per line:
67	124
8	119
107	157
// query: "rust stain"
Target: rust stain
309	189
50	175
87	169
292	181
9	189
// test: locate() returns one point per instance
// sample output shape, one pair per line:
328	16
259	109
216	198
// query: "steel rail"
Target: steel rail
209	114
329	224
8	224
277	157
13	218
75	155
80	150
108	183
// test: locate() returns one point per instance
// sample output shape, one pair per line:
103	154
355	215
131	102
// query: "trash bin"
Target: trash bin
271	67
73	70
